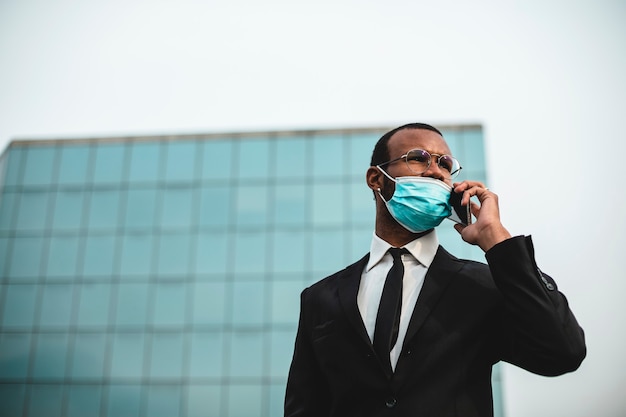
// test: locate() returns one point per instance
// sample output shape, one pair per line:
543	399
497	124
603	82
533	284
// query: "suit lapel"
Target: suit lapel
441	272
347	291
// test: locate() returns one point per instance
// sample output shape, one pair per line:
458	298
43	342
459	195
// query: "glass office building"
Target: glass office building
160	276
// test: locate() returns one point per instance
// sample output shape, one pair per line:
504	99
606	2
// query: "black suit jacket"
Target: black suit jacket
468	317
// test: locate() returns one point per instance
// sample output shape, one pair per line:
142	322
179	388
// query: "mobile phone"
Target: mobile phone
460	214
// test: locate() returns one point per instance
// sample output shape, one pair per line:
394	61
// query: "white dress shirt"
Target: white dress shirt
416	263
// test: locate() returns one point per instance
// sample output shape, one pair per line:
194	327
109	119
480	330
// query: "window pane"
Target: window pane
39	165
45	400
290	251
19	305
286	301
177	207
328	158
88	357
167	356
163	401
246	355
56	307
251	252
291	158
145	158
361	148
328	207
33	209
362	206
50	356
251	208
281	353
215	205
169	304
136	254
248	301
140	207
68	210
14	351
26	257
253	158
73	165
8	209
290	205
94	304
132	303
204	400
99	252
217	160
127	356
209	303
13	160
124	400
248	408
109	165
84	401
328	251
173	256
104	209
12	398
212	253
62	257
206	355
181	158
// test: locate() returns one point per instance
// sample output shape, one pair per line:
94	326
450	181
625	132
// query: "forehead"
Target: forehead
406	139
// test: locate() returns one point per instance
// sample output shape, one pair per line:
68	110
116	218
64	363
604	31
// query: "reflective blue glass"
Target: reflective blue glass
26	257
39	169
8	209
285	301
328	206
291	158
328	251
132	304
74	164
169	304
173	254
246	354
94	303
250	407
127	356
145	162
212	253
14	358
290	252
62	256
215	206
104	209
99	256
50	356
361	204
181	158
45	400
140	207
247	307
290	205
56	305
204	400
281	351
109	163
207	355
163	400
88	356
217	159
84	401
19	305
328	156
167	355
136	254
254	158
361	147
12	398
177	208
33	211
11	165
250	249
68	210
124	400
251	205
208	303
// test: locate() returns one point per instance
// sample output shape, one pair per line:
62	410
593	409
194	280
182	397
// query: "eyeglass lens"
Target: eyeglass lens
419	160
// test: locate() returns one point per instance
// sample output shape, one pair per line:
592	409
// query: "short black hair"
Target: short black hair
381	151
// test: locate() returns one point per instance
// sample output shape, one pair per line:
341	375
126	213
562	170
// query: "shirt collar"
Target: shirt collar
423	249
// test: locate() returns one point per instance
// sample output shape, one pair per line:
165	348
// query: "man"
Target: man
430	352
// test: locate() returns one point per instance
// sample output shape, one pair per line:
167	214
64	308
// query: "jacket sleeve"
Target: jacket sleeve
542	334
307	390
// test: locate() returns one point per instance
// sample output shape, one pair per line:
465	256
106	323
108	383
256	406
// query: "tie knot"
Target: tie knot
396	253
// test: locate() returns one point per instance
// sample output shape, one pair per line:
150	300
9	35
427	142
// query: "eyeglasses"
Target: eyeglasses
419	160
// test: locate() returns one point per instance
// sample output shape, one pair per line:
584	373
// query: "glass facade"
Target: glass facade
161	276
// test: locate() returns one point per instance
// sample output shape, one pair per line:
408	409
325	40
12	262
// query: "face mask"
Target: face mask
419	203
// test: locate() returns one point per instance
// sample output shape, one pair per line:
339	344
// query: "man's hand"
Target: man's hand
487	230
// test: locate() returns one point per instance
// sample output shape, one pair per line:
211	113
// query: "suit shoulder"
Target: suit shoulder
332	280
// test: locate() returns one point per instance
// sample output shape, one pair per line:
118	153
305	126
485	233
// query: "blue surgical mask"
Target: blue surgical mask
419	203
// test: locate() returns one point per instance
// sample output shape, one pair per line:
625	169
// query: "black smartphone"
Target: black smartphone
460	214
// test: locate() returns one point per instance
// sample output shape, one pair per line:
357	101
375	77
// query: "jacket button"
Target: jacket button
391	402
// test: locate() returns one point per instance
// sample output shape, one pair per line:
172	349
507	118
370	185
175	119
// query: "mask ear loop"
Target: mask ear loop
388	176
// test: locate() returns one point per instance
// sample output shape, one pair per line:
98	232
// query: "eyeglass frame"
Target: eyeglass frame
430	160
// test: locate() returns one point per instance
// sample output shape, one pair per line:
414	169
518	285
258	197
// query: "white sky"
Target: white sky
546	78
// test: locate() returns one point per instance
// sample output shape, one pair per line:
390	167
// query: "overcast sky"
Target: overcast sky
546	79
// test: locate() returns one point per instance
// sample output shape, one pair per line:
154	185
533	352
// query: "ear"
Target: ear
374	178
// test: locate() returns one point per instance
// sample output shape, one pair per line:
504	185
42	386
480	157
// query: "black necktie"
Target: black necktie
388	317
